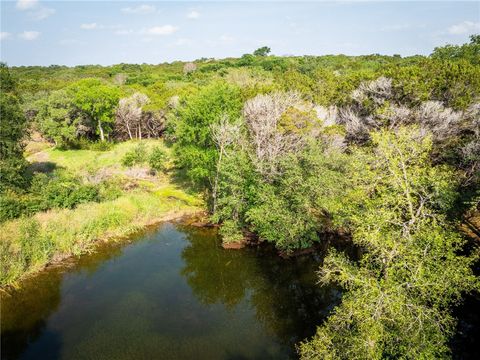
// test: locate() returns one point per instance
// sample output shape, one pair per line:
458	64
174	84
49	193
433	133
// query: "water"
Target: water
171	293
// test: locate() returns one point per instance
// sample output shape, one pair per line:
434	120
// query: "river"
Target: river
171	292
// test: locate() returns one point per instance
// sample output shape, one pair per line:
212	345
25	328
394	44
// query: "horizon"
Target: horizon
105	33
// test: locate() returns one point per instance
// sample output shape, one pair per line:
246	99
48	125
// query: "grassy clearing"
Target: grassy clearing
28	244
91	160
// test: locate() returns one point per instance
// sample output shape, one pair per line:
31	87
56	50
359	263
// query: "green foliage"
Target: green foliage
237	187
98	146
231	232
263	51
56	118
12	205
13	127
469	52
410	273
136	156
47	191
293	219
59	191
157	159
194	148
98	102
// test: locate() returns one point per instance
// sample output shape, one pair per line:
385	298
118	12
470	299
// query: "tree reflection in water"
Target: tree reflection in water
284	293
175	293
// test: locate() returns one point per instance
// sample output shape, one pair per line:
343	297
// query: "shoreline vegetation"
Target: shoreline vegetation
31	243
384	149
60	239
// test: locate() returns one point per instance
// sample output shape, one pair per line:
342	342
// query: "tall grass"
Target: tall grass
27	245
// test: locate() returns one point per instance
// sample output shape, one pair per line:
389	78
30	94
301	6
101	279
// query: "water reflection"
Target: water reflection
173	293
283	293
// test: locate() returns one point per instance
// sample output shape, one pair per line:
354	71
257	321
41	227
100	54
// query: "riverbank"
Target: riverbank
29	244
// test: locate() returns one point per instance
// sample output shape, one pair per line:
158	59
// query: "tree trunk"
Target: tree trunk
102	136
129	132
215	185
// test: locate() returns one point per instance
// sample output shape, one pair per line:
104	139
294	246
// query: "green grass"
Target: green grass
27	245
78	160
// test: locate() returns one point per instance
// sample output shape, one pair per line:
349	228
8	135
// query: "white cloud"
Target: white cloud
161	30
141	9
29	35
96	26
42	13
4	35
90	26
26	4
464	28
193	14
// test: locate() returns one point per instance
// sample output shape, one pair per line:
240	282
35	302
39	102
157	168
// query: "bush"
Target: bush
11	206
109	190
100	146
59	191
157	159
138	155
231	232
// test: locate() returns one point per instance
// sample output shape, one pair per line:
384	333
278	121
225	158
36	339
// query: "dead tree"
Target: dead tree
224	134
189	68
128	120
262	116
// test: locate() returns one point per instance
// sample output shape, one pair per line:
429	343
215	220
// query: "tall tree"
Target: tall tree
98	101
195	147
56	117
13	127
399	293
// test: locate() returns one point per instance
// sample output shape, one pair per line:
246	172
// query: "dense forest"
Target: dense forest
382	150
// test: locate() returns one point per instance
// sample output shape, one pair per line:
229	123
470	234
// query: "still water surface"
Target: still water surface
172	293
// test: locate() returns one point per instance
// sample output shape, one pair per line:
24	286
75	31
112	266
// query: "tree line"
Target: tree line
383	149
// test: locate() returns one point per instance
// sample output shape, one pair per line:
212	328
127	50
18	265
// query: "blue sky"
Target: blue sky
36	32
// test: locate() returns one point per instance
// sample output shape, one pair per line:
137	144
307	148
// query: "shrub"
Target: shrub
138	155
100	146
59	191
11	206
157	159
231	232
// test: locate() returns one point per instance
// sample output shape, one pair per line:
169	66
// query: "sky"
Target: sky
36	32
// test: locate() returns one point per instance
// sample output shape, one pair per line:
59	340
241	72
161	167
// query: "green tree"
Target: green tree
263	51
293	209
13	128
195	148
98	101
469	52
400	292
56	117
